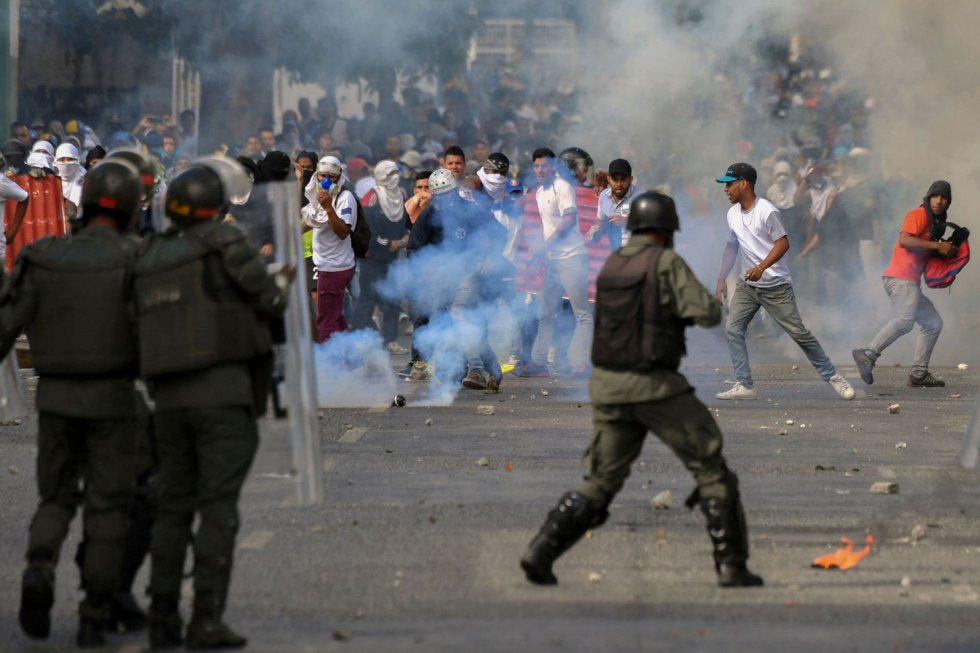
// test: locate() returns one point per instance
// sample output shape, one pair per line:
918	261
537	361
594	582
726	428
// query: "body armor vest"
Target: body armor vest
83	325
631	333
191	314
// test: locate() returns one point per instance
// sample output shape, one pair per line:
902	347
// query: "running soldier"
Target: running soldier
645	297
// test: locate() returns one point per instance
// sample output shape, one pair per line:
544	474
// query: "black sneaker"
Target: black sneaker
924	380
36	599
865	365
531	370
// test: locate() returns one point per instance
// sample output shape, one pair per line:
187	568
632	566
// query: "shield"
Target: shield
971	443
298	379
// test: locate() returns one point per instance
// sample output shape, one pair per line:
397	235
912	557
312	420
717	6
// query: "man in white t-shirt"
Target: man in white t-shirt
10	190
566	269
763	282
332	212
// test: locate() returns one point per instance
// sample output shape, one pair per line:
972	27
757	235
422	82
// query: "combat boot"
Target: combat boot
93	617
36	599
566	524
165	623
729	537
127	616
207	631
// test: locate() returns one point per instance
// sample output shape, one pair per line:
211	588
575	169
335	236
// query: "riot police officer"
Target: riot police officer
645	297
71	296
203	300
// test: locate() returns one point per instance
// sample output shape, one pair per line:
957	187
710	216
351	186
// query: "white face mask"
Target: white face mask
67	171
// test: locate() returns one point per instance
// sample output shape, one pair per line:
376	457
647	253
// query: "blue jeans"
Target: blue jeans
572	274
780	303
910	307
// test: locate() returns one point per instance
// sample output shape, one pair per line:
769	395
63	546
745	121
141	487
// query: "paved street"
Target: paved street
416	547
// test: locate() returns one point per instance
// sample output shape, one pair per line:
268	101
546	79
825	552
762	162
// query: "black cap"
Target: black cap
620	167
738	171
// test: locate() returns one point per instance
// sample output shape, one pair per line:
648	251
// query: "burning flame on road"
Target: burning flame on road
845	557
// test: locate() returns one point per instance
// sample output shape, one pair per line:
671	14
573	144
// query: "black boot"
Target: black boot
207	631
566	524
165	623
93	617
729	537
36	599
126	614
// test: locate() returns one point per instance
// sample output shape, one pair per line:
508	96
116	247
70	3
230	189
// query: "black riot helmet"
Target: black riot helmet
143	163
112	187
575	158
195	195
653	210
497	162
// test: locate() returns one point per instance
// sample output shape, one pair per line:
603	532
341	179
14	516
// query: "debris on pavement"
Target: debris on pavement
795	367
962	366
884	487
595	577
954	395
783	432
485	410
13	470
483	462
508	467
342	635
790	422
545	393
428	422
358	613
918	533
894	409
902	445
845	557
398	401
662	500
661	536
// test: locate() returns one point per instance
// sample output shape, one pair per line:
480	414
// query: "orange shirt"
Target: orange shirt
910	263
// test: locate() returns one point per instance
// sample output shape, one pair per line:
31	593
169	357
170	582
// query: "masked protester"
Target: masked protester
208	377
85	353
384	209
918	239
645	298
332	213
72	173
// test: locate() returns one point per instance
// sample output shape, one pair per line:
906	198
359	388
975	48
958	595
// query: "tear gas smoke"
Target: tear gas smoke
354	371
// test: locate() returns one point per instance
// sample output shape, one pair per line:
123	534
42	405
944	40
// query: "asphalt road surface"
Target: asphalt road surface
416	546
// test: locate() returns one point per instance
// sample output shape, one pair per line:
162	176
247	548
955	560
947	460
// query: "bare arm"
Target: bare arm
18	219
908	241
340	228
811	244
777	252
727	263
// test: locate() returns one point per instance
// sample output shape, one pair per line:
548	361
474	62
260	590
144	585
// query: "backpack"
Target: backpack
360	237
940	271
627	302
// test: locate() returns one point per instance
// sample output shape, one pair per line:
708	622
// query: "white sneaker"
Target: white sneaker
739	391
841	387
394	348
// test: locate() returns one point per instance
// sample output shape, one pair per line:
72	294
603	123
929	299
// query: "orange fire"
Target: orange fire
845	557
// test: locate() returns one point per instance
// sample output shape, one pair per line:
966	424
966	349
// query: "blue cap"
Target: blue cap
738	171
514	185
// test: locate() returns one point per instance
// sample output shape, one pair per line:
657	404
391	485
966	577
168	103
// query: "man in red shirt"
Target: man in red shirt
917	241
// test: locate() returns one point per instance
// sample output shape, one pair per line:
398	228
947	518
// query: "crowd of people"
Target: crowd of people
450	218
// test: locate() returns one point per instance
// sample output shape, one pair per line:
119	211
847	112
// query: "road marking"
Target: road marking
352	435
256	540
